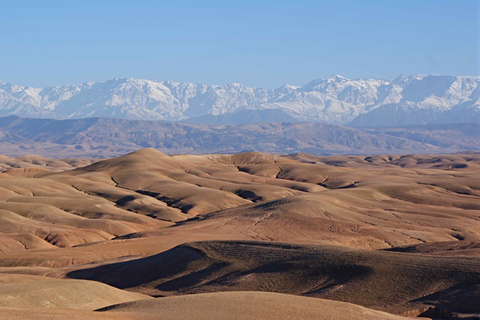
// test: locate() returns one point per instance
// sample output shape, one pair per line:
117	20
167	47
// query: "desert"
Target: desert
146	234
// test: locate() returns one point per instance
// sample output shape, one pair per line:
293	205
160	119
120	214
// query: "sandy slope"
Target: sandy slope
225	305
23	291
390	281
251	195
57	216
247	305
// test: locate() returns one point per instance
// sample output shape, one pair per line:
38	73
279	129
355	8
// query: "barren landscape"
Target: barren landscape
240	160
154	236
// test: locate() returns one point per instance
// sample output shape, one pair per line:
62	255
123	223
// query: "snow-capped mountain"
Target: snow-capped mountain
416	99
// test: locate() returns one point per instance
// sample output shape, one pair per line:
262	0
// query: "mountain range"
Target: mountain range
413	100
106	137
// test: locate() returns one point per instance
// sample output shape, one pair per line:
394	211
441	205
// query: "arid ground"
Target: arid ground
244	236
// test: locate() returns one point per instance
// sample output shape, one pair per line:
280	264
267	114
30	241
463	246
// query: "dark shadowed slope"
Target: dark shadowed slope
390	281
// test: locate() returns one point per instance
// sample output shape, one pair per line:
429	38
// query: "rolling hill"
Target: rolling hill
217	232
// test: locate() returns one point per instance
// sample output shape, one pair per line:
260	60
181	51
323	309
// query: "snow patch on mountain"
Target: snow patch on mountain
337	100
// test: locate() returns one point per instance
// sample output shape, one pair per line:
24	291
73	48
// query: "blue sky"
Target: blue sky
257	43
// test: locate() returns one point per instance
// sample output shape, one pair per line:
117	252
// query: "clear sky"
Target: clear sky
257	43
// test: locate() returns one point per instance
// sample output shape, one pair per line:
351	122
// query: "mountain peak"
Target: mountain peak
336	100
235	85
337	77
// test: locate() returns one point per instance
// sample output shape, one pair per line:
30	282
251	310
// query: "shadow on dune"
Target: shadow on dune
389	281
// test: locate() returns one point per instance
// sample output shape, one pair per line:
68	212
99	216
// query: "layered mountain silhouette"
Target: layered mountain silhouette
104	137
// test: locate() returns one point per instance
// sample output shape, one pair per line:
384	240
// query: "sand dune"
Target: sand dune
398	233
461	160
389	281
231	305
344	200
22	291
445	248
247	305
36	162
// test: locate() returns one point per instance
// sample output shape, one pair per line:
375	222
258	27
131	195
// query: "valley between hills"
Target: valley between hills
240	236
